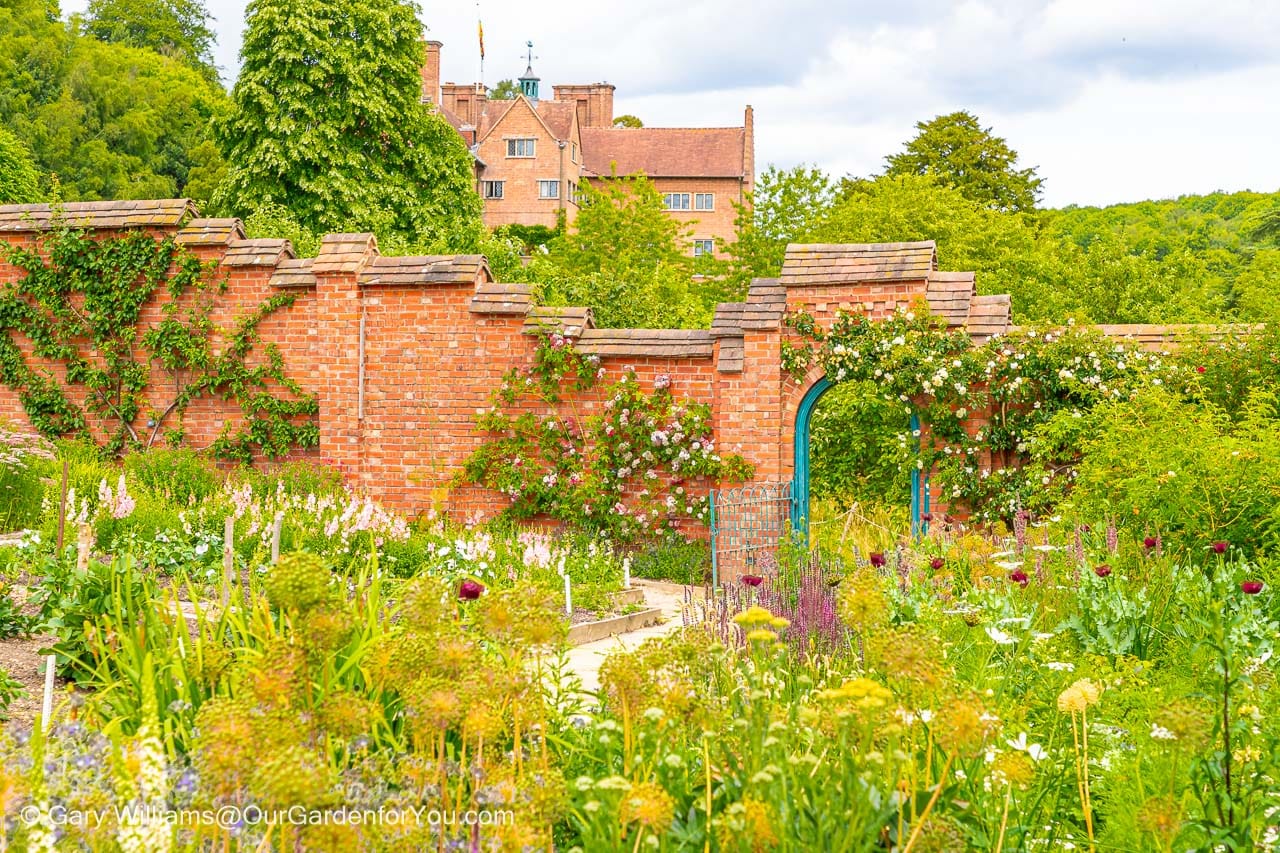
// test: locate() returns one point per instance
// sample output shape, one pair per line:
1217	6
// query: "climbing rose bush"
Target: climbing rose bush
641	466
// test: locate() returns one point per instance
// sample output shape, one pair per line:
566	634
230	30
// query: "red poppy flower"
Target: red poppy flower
937	563
1102	571
877	560
1200	369
1019	577
752	580
1219	547
1150	543
470	590
1251	587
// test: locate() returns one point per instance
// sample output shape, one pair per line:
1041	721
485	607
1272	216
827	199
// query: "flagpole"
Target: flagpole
480	32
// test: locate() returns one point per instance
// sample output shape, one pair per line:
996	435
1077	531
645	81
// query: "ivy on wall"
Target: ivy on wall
1017	382
630	470
80	305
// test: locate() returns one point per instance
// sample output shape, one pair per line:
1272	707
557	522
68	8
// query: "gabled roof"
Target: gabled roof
558	117
667	152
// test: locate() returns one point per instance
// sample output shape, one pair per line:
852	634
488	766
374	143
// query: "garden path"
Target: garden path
585	660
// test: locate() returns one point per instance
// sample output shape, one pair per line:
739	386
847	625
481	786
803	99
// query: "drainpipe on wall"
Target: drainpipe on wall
561	143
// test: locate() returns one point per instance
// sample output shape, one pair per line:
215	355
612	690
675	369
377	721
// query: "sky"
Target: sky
1110	100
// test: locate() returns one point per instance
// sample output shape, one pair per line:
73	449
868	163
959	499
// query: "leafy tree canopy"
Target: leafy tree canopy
962	154
785	207
175	28
19	180
327	123
505	90
627	120
625	258
108	120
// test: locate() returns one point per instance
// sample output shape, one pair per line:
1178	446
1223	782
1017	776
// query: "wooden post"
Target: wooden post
568	597
275	539
46	709
228	559
84	541
62	511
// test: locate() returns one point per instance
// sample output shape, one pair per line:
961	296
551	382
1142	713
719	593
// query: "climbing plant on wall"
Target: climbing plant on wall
80	307
631	470
986	407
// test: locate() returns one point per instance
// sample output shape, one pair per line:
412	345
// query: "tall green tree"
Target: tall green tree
175	28
626	258
108	120
19	180
327	123
786	207
963	154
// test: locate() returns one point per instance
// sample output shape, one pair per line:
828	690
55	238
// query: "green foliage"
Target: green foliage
95	336
25	461
1189	471
548	461
327	123
174	28
10	689
504	90
108	120
858	447
627	120
274	220
624	258
676	562
72	600
785	207
180	475
19	179
531	237
968	157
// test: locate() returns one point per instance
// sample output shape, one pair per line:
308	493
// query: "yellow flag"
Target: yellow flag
480	26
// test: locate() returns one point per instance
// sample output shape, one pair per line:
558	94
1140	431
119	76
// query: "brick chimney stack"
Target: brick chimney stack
749	150
431	73
594	102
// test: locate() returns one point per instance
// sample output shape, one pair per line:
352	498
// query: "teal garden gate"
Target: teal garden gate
747	522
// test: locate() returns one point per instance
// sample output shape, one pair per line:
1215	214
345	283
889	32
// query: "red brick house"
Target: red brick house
533	155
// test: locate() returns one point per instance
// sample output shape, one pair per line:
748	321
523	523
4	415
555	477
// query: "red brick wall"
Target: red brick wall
431	363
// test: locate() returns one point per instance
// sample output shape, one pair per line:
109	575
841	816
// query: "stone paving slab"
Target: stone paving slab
585	660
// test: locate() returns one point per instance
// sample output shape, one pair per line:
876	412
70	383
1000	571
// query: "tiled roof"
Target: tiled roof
210	232
569	321
558	117
669	152
727	321
950	294
161	213
651	343
731	350
257	253
989	315
494	298
344	253
424	269
825	263
294	272
765	305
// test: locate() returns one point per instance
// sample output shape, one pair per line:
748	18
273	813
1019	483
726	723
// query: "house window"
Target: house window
703	247
704	201
492	189
573	152
676	201
520	147
548	189
574	196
